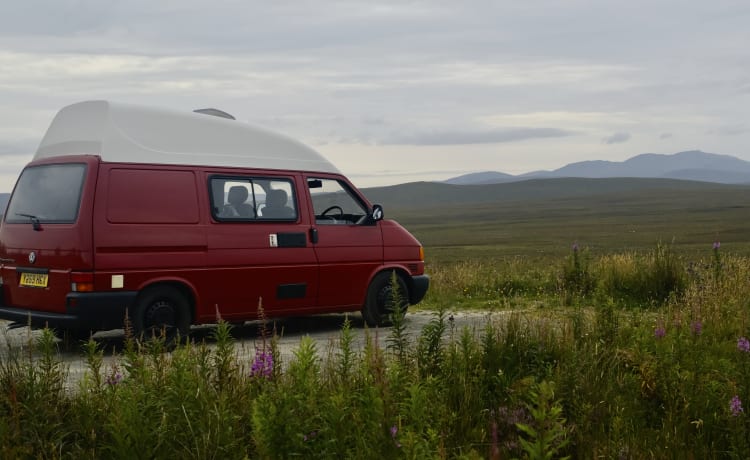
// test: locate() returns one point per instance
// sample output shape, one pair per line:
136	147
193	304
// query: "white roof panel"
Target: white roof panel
134	134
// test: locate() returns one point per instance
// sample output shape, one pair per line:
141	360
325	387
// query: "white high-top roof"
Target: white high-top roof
134	134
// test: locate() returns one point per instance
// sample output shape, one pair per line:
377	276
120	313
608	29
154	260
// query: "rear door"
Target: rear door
46	232
349	250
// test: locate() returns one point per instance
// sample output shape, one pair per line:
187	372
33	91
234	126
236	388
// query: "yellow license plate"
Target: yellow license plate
34	279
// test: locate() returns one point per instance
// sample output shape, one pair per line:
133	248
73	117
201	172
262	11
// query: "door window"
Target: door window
252	199
334	203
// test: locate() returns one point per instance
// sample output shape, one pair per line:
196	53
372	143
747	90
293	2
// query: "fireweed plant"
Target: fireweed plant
667	376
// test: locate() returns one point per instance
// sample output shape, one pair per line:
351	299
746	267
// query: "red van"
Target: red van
170	217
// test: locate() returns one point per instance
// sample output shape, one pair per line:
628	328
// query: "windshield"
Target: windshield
47	194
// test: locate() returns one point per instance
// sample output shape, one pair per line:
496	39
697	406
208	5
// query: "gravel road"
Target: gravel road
323	329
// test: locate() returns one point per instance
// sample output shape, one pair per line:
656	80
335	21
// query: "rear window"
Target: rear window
49	193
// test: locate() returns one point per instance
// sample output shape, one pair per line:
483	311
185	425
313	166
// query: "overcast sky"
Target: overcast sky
397	91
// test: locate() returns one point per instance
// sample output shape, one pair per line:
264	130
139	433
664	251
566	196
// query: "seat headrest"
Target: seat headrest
237	195
276	198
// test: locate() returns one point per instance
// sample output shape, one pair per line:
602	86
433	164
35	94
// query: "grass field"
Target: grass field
620	330
606	216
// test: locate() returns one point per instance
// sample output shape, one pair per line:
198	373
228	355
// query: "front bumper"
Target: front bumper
418	288
84	311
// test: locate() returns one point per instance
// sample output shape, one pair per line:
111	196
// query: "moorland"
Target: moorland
545	217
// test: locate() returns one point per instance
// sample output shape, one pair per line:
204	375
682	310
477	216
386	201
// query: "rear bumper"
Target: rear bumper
418	289
84	310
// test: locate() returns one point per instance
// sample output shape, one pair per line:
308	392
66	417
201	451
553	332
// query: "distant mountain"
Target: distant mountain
489	177
438	195
691	165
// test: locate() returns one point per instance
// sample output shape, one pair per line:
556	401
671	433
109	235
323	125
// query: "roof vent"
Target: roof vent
215	112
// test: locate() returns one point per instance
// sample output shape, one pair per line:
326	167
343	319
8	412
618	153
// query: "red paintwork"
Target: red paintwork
229	266
59	247
400	248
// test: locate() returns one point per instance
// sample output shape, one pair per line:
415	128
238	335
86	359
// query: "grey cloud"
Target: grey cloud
397	173
453	137
373	120
616	138
731	130
17	148
665	136
11	164
470	29
358	71
60	17
226	27
296	120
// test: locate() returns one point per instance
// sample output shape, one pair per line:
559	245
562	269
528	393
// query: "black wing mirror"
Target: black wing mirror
377	213
373	216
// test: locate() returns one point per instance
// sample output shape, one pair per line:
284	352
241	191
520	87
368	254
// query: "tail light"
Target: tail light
81	282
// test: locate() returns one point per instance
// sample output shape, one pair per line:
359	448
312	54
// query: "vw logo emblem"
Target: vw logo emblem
32	257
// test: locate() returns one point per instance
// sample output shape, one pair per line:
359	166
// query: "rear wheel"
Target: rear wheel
162	310
381	300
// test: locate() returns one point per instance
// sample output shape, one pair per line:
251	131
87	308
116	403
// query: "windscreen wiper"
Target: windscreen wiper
35	224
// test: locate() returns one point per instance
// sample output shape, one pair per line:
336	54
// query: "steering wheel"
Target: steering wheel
332	208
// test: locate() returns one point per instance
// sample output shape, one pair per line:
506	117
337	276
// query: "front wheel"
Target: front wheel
161	310
381	299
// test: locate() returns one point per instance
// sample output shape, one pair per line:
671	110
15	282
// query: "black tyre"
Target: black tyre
161	310
380	302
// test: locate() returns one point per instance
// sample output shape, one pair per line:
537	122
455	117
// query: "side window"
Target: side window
334	203
252	199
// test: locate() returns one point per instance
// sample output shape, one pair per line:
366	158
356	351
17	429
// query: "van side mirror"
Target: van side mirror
373	216
314	183
377	213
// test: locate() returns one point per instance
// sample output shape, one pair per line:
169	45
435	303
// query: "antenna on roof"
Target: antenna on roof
215	112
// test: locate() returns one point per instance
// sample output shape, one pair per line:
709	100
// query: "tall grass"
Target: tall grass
630	278
481	283
590	380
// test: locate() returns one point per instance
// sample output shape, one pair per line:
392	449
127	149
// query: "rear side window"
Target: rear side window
48	193
252	199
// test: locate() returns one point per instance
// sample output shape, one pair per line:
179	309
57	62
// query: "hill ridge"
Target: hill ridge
416	195
702	166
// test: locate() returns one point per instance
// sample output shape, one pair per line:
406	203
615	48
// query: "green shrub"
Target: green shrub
577	279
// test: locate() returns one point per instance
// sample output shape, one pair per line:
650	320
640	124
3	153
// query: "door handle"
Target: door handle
313	235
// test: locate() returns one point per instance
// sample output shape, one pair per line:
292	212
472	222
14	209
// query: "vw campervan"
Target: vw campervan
170	217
